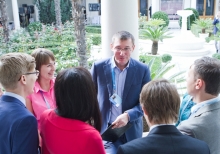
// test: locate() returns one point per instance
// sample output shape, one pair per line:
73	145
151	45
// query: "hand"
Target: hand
121	120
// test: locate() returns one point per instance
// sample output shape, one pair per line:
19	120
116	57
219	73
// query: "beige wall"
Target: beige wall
92	16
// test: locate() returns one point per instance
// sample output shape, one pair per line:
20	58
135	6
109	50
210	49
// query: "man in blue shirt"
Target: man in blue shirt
119	80
203	84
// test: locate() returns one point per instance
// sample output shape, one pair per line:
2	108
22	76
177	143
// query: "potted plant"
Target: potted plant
201	27
155	32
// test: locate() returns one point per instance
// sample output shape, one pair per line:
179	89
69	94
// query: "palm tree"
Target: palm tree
58	14
155	32
4	20
79	25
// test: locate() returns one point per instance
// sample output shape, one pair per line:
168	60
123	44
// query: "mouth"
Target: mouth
51	74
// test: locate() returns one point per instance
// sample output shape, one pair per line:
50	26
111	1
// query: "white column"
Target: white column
36	11
155	6
184	14
193	4
15	14
118	15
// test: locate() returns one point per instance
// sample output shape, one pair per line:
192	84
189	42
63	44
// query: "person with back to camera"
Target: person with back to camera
73	127
18	133
215	30
160	102
121	77
43	96
203	84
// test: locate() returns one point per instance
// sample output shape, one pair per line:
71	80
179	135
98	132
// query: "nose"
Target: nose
54	67
121	52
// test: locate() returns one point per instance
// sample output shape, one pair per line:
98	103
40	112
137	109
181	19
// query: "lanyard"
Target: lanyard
113	80
45	100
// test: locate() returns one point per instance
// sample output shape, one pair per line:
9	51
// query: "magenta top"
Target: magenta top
42	100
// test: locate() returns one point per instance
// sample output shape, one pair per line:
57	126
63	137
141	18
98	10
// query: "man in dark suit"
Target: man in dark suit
18	126
119	80
160	102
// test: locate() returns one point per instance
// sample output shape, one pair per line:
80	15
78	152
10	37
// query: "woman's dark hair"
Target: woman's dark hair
76	96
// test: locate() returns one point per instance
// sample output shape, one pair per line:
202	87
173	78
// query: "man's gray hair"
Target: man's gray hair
123	35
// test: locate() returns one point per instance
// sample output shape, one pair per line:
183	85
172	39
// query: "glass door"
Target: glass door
171	7
143	9
205	8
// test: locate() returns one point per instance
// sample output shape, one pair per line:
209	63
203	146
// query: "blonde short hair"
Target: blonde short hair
12	66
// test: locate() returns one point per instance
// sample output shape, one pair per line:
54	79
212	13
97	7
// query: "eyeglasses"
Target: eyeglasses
125	49
36	72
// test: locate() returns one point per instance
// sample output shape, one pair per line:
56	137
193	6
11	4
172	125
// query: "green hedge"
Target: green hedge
166	58
161	15
96	38
93	29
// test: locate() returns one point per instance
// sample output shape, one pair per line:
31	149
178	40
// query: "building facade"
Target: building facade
206	8
21	12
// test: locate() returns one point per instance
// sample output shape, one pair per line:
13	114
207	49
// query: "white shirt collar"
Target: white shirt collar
20	98
114	64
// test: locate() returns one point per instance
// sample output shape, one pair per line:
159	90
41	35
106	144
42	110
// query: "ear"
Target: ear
23	79
133	47
199	84
144	110
111	46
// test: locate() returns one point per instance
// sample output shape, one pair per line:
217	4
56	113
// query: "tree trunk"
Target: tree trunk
58	14
79	25
4	20
154	48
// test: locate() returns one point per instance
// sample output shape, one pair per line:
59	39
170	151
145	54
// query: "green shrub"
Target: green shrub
93	29
145	58
34	26
191	18
216	55
96	39
161	15
166	58
142	20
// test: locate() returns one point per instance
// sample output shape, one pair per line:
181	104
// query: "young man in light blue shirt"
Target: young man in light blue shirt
203	84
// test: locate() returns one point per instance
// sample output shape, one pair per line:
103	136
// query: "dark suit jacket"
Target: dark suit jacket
18	132
138	74
164	140
215	29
